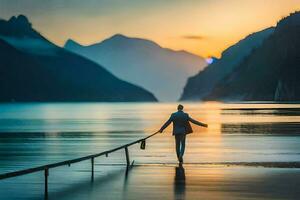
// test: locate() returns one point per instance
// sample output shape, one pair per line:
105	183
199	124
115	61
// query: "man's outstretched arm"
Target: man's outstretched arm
197	122
165	125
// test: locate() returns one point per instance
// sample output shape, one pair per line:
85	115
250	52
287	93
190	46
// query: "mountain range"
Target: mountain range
201	84
271	72
143	62
34	69
264	66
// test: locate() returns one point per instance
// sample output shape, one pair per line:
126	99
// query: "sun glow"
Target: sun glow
205	27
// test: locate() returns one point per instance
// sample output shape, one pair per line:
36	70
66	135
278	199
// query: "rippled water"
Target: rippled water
37	134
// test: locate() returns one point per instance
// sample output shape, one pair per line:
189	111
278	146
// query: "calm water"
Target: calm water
37	134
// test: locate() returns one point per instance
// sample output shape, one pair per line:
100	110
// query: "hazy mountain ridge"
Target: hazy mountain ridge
34	69
200	85
271	72
160	70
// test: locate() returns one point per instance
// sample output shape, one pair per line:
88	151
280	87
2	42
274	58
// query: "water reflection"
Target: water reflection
179	182
282	128
37	134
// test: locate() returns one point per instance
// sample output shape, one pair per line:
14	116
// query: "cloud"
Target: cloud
193	37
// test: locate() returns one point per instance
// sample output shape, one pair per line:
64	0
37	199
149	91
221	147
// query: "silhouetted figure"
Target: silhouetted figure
179	182
181	127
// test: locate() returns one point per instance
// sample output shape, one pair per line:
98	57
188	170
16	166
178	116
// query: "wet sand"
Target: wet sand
195	182
170	181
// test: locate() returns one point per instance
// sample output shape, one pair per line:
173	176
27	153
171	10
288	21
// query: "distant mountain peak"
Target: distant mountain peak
18	26
72	44
119	36
139	60
20	20
120	39
34	69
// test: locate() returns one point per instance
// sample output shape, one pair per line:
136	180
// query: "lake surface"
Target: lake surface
41	133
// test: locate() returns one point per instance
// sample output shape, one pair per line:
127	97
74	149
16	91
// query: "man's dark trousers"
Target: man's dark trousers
180	145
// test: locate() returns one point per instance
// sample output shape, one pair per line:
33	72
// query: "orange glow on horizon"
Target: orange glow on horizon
205	28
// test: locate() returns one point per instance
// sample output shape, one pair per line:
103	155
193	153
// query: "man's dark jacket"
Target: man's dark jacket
181	123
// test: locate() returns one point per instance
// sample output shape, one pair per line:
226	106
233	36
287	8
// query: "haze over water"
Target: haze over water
41	133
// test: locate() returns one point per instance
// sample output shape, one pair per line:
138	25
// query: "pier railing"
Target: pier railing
92	157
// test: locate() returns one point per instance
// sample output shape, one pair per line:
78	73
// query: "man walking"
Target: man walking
181	127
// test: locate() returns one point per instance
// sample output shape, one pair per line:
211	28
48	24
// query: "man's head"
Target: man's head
180	107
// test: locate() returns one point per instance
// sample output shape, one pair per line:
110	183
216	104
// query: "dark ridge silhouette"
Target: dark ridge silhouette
34	69
271	72
130	58
201	84
18	27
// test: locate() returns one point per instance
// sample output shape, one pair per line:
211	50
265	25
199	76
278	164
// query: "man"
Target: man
181	127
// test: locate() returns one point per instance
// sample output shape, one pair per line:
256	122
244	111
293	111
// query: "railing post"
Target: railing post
127	157
46	173
92	162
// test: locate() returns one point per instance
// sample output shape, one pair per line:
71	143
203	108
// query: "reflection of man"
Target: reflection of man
179	182
181	127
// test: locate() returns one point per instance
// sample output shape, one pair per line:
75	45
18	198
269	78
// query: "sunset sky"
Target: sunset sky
203	27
